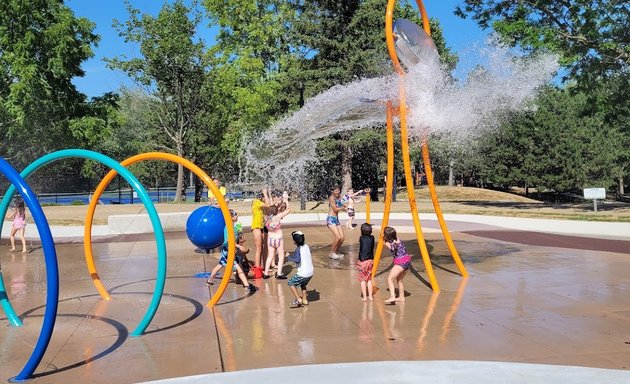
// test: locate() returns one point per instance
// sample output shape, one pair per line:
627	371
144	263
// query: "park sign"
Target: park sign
595	193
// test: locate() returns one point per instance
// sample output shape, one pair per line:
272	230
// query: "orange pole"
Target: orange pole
405	148
438	210
411	193
425	17
87	241
389	35
429	173
388	185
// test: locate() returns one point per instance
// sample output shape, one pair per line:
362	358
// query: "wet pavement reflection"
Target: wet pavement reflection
521	303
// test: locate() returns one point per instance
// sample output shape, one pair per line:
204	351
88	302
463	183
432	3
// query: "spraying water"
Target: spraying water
435	102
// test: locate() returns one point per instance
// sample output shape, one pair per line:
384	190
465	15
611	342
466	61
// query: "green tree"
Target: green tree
346	42
453	160
171	69
42	46
591	36
562	145
249	84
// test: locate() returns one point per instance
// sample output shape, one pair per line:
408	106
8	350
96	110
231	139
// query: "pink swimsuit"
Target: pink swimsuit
19	221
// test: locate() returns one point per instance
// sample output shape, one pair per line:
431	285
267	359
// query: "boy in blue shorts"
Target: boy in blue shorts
302	257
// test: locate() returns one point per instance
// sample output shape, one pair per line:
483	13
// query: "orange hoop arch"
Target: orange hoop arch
87	241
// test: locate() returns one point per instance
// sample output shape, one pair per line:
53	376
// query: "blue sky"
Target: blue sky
460	36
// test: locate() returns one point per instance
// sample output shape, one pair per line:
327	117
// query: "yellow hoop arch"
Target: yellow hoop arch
87	241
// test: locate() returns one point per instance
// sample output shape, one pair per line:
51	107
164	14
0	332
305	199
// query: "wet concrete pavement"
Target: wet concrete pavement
525	301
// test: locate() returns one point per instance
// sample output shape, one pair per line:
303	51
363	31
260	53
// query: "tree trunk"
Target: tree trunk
198	189
451	178
346	168
621	188
526	189
180	176
303	198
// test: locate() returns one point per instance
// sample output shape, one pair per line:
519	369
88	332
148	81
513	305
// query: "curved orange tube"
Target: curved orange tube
388	185
389	34
438	211
411	193
425	148
87	241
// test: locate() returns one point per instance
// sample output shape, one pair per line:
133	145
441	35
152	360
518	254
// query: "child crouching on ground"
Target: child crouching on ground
240	251
302	257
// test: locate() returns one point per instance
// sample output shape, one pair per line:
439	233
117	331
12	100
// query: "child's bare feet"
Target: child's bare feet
12	249
24	250
371	298
400	299
363	298
390	301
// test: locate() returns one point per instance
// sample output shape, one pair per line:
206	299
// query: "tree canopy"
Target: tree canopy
591	36
42	46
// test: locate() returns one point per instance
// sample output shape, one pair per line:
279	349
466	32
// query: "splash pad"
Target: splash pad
52	282
396	107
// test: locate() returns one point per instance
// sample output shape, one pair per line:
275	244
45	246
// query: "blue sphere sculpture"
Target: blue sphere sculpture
205	226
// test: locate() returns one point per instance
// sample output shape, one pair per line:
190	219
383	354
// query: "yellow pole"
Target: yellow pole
368	199
87	234
388	185
405	148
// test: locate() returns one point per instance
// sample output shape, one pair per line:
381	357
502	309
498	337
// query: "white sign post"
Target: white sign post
594	194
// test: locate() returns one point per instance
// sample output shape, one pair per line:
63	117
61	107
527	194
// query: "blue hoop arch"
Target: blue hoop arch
35	359
52	272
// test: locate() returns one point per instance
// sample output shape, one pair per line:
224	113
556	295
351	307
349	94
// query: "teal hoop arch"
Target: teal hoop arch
52	275
142	194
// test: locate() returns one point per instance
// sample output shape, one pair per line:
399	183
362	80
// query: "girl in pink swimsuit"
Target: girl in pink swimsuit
275	241
402	262
19	224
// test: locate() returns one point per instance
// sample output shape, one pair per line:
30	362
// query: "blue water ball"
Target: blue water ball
205	226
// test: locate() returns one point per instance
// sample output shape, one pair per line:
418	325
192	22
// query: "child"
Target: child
348	201
240	249
335	205
275	241
366	261
19	224
402	261
246	264
258	226
302	257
